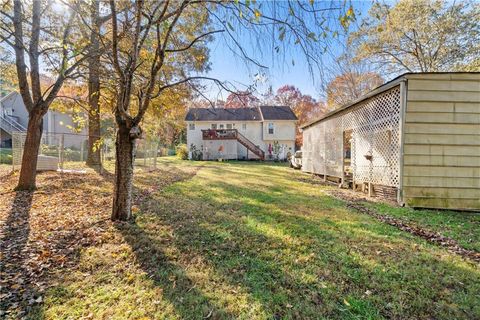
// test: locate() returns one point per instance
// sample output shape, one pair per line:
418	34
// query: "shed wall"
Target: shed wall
441	164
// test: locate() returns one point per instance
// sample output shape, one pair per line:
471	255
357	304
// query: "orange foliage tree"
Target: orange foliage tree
305	107
349	86
241	99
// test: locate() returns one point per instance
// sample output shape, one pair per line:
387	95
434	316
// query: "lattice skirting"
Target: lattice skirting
375	132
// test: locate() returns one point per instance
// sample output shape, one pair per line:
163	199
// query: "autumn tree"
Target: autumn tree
165	118
241	99
8	79
421	35
94	70
40	35
145	36
305	107
153	47
350	86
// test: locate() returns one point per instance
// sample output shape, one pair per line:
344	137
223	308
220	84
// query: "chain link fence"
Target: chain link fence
69	152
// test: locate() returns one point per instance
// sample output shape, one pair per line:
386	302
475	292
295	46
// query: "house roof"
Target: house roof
7	96
277	113
220	114
384	87
240	114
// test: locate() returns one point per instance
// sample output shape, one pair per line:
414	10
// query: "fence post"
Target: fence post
155	156
13	151
81	150
102	157
61	154
144	154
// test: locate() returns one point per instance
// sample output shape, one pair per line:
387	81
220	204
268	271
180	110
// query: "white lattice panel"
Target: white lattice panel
333	147
375	125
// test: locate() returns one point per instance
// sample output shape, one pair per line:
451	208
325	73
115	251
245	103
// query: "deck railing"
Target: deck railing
219	134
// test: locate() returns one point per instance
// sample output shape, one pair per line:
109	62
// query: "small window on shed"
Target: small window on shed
229	126
270	128
244	126
191	126
214	126
222	126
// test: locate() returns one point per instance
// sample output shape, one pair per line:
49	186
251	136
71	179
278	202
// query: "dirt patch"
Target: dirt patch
354	201
314	180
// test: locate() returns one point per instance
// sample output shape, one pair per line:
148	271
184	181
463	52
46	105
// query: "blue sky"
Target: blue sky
225	66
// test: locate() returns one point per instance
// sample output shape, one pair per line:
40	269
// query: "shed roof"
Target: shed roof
384	87
241	114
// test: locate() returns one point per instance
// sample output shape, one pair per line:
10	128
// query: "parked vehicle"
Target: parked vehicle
296	160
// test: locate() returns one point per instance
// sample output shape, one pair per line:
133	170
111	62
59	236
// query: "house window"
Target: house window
191	126
214	126
229	126
270	128
222	126
244	126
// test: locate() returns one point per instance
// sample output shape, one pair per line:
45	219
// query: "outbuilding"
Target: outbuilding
415	139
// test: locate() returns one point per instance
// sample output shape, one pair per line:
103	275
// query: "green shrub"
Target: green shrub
6	156
182	151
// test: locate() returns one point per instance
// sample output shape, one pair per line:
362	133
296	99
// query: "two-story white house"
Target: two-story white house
265	132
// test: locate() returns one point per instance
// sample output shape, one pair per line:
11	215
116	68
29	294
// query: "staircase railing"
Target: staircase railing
9	125
250	145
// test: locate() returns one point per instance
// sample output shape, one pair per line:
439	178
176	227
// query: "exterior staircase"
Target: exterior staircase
9	125
250	145
233	134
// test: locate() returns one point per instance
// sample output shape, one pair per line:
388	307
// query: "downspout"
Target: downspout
403	110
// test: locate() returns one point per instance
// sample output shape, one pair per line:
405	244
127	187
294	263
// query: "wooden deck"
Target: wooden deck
220	134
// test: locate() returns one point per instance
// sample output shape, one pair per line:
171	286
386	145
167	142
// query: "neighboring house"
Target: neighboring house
266	132
14	118
415	139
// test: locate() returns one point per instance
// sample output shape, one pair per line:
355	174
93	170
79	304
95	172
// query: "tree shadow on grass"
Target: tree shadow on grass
16	289
41	237
178	288
221	235
234	261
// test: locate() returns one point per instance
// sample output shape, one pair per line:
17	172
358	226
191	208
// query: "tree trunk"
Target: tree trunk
28	171
122	206
93	157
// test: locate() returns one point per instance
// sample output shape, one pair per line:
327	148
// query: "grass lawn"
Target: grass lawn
5	157
232	240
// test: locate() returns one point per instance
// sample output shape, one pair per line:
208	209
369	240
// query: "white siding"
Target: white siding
255	131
